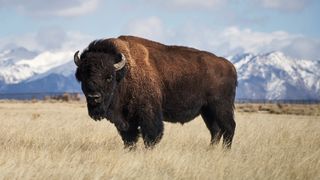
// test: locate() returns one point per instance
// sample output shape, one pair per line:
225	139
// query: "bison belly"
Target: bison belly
182	106
181	116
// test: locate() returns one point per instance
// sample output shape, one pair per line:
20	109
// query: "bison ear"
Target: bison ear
76	58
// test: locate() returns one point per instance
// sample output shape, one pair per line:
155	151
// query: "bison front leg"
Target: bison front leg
130	136
151	125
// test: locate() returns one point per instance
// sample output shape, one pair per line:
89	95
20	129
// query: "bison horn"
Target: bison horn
118	66
76	58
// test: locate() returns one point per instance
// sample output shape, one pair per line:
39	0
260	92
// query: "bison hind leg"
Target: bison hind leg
220	121
208	115
225	120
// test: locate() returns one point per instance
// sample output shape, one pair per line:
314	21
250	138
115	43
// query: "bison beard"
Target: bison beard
137	84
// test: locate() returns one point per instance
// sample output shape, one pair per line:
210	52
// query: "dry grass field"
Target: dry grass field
43	140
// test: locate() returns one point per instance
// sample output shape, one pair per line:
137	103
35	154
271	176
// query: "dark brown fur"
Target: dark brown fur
160	83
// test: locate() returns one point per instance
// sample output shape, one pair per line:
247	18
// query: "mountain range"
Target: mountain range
275	76
24	71
270	76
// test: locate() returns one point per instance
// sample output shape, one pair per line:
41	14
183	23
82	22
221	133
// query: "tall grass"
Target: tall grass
59	141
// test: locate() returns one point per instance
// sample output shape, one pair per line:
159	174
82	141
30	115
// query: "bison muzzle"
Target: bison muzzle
137	84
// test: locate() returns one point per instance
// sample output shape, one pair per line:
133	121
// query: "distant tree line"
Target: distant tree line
76	96
64	96
278	101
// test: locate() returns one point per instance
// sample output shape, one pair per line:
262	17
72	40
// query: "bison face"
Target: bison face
97	72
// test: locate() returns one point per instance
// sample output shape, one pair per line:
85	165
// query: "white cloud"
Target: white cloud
189	4
151	27
41	8
304	48
287	5
233	40
223	42
228	41
252	41
83	7
281	5
48	39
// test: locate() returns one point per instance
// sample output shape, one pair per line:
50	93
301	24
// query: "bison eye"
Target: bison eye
109	79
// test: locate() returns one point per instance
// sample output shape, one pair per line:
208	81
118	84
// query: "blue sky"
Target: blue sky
224	27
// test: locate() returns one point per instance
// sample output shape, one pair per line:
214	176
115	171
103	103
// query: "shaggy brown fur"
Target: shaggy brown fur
158	83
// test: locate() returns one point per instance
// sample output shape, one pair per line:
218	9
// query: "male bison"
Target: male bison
137	84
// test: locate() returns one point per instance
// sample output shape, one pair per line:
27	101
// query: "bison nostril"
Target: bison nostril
94	98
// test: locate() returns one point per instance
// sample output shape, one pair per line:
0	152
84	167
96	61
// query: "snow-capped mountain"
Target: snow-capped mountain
10	56
30	72
276	76
20	64
264	76
8	59
59	79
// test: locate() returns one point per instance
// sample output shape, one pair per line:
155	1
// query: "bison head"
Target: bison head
99	74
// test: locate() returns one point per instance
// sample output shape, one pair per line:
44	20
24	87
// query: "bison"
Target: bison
137	84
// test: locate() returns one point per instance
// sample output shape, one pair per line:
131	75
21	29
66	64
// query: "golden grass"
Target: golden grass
44	140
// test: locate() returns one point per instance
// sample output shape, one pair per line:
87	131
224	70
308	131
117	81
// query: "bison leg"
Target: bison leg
151	128
130	136
210	120
225	120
